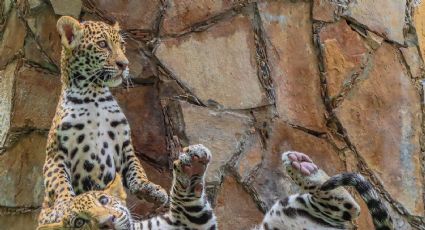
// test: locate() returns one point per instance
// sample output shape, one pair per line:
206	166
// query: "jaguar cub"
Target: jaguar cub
324	205
106	210
89	141
92	210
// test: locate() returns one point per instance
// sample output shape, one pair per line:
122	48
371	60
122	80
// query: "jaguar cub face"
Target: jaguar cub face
93	53
96	210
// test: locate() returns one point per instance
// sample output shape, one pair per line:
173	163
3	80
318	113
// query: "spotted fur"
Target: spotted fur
189	208
90	141
92	210
380	216
324	204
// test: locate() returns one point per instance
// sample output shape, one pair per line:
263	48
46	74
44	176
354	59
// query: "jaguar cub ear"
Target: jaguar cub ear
70	31
116	188
116	26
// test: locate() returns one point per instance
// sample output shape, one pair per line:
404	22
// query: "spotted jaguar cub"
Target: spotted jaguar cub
106	210
92	210
89	141
324	204
189	207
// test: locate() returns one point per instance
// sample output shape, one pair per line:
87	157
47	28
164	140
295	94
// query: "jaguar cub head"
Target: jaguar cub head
93	53
96	210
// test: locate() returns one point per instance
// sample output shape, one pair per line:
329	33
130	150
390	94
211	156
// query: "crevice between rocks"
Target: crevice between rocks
263	67
30	33
333	123
210	21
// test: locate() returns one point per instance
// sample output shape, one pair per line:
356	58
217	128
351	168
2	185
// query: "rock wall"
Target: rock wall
338	79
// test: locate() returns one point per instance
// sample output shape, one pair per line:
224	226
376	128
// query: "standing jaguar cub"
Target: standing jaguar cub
89	141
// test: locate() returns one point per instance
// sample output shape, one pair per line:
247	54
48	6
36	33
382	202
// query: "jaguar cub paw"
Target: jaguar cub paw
191	166
303	171
298	162
152	193
194	160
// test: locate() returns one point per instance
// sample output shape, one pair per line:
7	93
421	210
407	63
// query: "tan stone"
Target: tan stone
324	10
12	38
7	79
217	65
293	62
5	8
21	175
141	67
413	60
35	99
344	53
71	8
251	157
382	116
181	14
43	24
235	208
131	14
221	132
271	182
34	4
375	15
27	221
419	21
143	110
374	40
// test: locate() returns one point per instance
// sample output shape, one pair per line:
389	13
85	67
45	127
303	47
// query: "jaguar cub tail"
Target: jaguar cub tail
380	215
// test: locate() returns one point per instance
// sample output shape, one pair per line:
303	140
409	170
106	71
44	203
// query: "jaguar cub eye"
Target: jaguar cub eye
102	44
79	222
103	200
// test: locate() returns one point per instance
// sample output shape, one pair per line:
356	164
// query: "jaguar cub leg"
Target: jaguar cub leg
188	201
188	173
137	182
189	208
337	205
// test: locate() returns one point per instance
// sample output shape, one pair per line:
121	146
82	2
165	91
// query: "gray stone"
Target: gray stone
21	172
12	38
413	60
381	16
70	8
7	78
25	221
217	65
221	132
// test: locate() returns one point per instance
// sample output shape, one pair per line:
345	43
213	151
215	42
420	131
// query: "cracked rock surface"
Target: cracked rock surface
340	80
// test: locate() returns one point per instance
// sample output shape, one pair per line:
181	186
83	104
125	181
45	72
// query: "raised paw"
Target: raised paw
194	160
300	162
190	168
152	193
303	171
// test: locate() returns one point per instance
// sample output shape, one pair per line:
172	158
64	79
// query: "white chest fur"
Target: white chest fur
92	131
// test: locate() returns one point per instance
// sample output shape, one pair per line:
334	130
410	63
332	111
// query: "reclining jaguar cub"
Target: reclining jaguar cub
189	209
323	206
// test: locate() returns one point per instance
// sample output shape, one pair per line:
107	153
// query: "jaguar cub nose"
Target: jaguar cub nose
122	64
108	224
